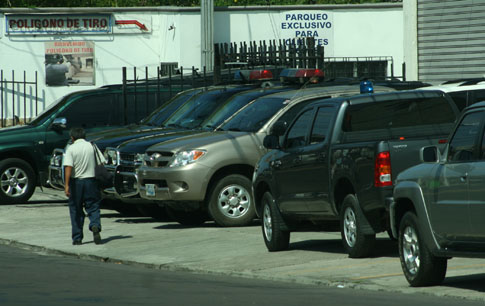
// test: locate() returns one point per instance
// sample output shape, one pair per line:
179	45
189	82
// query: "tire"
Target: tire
231	202
189	218
274	237
420	267
17	181
356	244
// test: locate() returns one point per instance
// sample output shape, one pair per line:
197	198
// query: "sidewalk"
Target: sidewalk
314	258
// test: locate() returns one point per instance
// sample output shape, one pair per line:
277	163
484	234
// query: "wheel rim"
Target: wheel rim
267	225
234	201
410	250
350	227
14	182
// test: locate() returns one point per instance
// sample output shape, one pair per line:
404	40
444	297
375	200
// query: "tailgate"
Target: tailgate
405	153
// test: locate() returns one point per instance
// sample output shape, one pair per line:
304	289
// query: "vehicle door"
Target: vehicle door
449	213
93	113
313	168
289	179
476	194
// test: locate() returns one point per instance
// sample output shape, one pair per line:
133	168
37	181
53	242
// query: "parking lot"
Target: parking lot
43	225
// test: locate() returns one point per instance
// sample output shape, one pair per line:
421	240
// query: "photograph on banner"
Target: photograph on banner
69	63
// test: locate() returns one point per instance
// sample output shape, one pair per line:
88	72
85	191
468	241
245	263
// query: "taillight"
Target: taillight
382	170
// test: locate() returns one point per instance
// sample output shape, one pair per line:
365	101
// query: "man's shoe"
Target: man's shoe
96	235
77	242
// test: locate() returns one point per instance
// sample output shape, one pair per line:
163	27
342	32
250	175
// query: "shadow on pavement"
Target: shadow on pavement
108	239
382	248
474	282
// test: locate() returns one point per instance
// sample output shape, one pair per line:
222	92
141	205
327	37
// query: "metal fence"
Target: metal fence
19	98
15	96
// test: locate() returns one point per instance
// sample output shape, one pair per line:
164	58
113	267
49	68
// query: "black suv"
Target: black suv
335	164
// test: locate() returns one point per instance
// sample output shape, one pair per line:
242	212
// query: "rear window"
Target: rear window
399	118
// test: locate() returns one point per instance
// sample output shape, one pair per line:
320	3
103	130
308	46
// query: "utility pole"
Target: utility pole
207	33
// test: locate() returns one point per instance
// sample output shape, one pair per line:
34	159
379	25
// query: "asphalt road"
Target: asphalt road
314	258
32	279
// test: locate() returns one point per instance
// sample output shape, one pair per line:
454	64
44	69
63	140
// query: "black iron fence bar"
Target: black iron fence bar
158	87
146	91
13	97
125	103
1	96
36	96
25	100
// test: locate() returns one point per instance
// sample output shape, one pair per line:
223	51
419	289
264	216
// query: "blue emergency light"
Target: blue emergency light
366	87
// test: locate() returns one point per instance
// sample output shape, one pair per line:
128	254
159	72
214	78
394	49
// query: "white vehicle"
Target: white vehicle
464	92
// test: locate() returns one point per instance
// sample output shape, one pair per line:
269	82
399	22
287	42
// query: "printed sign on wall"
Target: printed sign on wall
57	24
299	25
69	63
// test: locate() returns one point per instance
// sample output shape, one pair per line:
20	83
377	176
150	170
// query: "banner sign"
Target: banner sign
296	26
58	24
69	63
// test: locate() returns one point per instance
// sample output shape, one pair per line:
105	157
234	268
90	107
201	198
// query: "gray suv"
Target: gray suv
439	205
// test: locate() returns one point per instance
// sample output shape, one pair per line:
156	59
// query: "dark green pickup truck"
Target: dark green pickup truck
25	150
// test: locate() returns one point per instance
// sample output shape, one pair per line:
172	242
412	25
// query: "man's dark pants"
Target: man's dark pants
84	191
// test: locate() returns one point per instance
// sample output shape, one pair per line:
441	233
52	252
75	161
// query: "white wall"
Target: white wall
355	31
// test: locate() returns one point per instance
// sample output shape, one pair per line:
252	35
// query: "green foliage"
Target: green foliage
135	3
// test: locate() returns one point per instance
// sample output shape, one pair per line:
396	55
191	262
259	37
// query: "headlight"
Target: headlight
111	157
139	158
56	160
186	157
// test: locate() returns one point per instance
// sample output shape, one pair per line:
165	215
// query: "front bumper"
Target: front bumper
186	183
56	170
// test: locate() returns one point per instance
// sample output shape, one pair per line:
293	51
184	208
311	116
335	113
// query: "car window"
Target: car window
321	126
93	111
460	98
463	144
298	132
397	118
157	117
478	96
198	108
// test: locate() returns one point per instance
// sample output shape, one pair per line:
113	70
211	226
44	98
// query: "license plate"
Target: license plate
150	190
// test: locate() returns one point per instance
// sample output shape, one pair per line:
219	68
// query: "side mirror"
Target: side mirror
59	123
271	142
429	154
279	128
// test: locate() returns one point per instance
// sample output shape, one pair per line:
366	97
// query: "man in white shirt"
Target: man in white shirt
81	187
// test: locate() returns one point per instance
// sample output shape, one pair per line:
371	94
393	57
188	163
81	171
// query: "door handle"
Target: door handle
464	177
297	159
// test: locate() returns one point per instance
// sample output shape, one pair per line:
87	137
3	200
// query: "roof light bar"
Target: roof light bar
301	75
253	75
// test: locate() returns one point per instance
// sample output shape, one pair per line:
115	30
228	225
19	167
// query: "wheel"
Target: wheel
420	267
356	244
275	238
190	218
17	181
231	202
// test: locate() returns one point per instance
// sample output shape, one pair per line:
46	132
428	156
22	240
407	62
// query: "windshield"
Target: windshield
157	117
199	107
47	112
233	105
255	115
